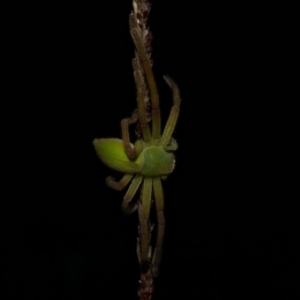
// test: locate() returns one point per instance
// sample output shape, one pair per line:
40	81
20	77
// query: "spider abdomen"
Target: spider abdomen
111	152
157	162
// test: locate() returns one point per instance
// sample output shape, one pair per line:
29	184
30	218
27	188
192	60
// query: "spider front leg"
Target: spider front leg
172	120
141	94
138	115
142	54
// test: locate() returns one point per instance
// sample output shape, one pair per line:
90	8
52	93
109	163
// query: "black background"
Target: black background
231	217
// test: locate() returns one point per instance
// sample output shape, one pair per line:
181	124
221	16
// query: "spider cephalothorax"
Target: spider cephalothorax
150	158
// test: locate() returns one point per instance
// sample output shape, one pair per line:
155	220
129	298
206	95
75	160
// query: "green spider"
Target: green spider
150	158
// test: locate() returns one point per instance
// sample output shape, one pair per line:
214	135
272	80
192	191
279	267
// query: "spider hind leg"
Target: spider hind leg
144	224
127	206
118	185
159	204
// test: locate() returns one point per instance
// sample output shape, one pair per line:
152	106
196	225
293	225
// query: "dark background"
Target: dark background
231	217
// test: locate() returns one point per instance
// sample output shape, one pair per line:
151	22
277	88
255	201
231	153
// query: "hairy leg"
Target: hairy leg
141	94
159	203
132	152
172	120
120	184
140	47
127	208
144	229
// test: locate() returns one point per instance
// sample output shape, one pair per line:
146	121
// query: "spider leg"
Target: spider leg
126	207
138	76
171	123
120	184
144	230
132	152
140	47
172	146
159	203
